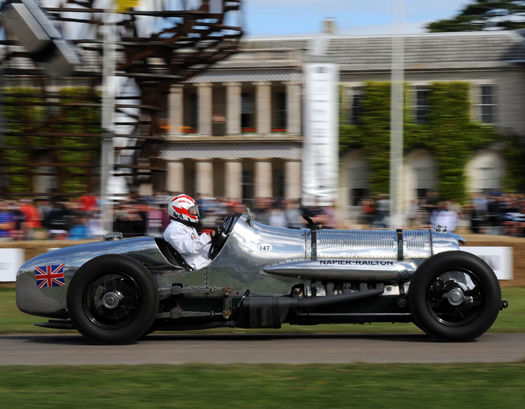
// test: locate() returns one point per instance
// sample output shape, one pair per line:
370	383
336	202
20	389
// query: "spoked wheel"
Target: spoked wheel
454	295
112	299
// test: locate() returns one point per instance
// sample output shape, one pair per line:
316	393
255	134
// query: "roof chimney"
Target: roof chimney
329	26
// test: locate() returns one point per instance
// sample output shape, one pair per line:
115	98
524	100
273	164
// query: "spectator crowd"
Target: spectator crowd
77	219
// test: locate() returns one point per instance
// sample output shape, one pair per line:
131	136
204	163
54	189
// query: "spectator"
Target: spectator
80	230
479	212
277	217
428	206
87	203
7	222
445	217
44	207
367	211
382	211
59	221
330	217
130	220
494	207
506	214
94	224
293	214
18	232
262	210
154	220
32	218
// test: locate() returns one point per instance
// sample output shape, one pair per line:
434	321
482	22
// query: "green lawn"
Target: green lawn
195	386
265	386
510	320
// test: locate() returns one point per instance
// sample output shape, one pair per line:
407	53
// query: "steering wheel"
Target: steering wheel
222	232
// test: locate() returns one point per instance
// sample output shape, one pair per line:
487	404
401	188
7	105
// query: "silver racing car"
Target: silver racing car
118	290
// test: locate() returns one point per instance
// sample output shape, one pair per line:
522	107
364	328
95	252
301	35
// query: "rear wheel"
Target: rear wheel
112	299
455	296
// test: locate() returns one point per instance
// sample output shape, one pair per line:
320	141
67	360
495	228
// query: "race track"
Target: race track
262	348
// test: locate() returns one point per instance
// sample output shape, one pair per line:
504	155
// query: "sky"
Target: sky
352	17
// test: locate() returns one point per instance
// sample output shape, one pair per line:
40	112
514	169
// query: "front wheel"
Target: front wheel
454	295
112	299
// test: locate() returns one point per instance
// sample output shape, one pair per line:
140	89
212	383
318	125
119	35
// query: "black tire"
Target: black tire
112	299
454	295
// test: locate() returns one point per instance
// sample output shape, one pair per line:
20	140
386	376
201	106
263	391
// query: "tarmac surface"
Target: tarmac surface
72	349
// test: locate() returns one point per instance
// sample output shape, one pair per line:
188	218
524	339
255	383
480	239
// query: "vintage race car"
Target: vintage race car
118	290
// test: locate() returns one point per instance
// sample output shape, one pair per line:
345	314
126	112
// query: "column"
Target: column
293	179
233	108
175	176
263	102
293	108
204	103
204	177
263	178
233	179
176	110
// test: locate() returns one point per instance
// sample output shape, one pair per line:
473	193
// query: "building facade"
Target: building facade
236	131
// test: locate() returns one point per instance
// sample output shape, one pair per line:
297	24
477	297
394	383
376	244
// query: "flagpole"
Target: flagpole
396	116
107	157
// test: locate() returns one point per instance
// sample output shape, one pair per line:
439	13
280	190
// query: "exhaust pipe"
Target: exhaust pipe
271	312
319	302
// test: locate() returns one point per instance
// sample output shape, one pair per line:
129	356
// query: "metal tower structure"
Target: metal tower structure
155	44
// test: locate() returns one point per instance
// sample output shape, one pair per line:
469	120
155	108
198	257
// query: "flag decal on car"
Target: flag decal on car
50	276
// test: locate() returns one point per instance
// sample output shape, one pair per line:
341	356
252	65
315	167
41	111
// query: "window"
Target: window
357	106
486	172
357	195
422	193
247	112
421	108
279	118
487	104
191	114
278	179
248	183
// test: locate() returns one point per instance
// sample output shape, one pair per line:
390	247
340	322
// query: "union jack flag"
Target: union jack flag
50	276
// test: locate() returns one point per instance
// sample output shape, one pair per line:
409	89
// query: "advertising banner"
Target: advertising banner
321	133
498	258
10	262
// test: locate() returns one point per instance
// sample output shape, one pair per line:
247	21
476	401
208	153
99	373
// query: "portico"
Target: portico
237	133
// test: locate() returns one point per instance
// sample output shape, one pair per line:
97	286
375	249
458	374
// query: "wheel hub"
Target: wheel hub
111	299
456	297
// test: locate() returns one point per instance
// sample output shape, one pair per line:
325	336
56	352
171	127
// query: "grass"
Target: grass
476	386
265	386
510	320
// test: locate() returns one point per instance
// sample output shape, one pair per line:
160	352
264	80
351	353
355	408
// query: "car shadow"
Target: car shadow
77	339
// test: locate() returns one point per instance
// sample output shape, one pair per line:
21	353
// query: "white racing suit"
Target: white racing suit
189	244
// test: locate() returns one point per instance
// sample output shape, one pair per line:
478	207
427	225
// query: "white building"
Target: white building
236	131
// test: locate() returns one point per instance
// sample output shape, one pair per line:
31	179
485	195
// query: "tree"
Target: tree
484	15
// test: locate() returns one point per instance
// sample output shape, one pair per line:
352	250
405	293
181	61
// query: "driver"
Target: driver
181	233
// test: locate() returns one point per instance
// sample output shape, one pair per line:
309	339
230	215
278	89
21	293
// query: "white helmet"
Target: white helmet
183	208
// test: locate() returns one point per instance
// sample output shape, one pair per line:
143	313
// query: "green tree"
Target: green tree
484	15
